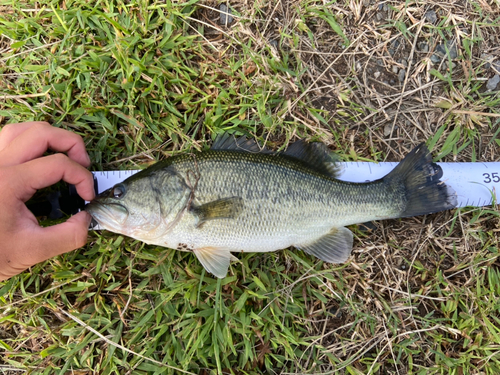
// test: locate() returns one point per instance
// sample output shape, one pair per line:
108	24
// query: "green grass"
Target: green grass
141	81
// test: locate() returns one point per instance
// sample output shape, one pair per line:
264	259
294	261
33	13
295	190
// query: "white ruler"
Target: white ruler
476	184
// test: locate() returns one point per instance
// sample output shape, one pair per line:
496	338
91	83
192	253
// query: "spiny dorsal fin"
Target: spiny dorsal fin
334	247
226	208
228	141
316	155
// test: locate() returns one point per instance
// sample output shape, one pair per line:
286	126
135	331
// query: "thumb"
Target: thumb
61	238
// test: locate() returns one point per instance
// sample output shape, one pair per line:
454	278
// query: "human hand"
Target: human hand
23	170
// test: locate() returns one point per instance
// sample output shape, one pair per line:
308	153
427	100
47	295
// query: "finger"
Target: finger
11	131
42	172
58	239
40	137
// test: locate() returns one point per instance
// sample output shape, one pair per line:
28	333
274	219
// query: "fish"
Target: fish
239	197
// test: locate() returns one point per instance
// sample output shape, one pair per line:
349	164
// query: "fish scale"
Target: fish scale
281	201
238	200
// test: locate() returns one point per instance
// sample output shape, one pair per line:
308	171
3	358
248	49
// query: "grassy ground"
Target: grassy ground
142	80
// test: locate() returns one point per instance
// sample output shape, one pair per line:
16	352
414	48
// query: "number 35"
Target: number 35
489	177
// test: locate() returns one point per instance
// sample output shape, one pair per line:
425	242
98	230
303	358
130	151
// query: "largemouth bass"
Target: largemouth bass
238	197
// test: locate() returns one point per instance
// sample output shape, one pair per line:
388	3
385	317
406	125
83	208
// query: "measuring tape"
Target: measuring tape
476	184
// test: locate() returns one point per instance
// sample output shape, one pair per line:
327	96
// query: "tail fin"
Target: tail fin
425	192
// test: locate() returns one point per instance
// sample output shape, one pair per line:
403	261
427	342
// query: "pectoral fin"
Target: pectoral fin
226	208
215	261
334	247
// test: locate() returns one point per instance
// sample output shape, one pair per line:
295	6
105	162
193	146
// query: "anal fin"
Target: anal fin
333	247
216	261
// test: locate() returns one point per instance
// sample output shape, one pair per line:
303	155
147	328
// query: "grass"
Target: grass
141	81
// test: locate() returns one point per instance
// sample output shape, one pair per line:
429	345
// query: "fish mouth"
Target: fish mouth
109	215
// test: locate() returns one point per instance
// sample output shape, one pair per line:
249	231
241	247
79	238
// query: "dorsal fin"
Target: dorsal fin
228	141
316	155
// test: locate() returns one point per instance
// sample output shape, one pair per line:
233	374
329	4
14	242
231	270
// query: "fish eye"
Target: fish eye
118	191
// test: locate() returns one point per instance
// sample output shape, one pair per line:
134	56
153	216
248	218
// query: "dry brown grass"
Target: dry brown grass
408	277
356	86
418	296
